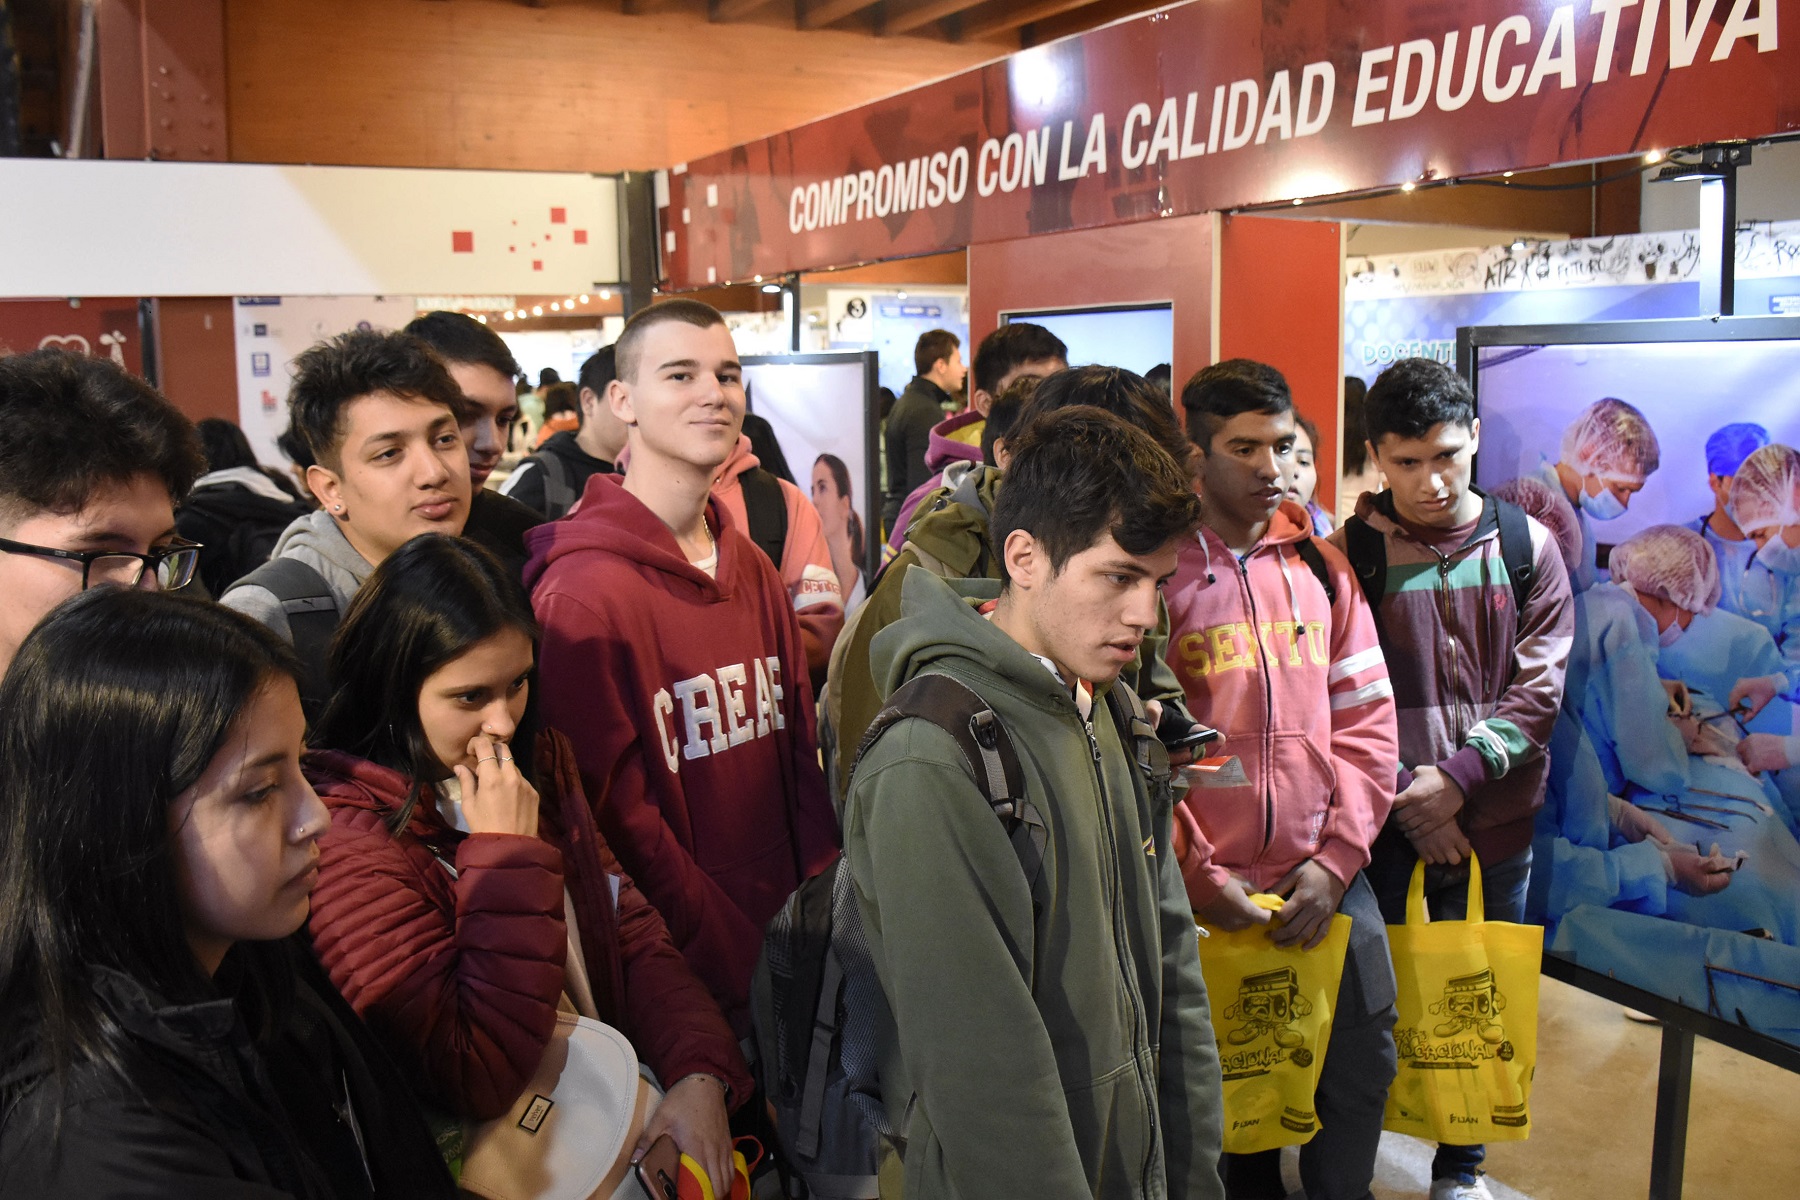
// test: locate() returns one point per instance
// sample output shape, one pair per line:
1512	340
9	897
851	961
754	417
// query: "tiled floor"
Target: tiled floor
1592	1105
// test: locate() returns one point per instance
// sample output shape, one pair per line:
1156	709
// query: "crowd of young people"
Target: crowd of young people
290	880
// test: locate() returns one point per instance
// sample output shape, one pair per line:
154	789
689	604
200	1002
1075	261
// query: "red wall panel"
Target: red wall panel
197	355
106	326
1281	300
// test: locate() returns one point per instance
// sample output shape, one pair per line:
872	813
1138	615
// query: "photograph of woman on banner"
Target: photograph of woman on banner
833	496
1607	455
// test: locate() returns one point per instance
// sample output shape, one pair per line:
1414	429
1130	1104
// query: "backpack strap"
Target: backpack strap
1515	551
765	510
1315	562
986	748
559	496
312	615
823	1036
1367	551
1139	736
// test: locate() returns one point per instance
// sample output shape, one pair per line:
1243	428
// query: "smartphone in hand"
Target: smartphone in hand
659	1171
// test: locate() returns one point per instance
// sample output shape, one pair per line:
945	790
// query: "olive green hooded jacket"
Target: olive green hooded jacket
1053	1036
948	537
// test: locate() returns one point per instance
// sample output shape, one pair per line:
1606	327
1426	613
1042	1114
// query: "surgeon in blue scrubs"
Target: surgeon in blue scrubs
1613	738
1607	455
1726	451
1765	504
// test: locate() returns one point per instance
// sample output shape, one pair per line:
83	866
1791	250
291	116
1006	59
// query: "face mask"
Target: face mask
1604	507
1779	557
1671	635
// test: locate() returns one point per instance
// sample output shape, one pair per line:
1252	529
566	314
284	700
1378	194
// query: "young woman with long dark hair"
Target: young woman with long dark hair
441	906
158	845
833	497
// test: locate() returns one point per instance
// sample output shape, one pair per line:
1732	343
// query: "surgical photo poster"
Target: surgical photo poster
820	407
1666	853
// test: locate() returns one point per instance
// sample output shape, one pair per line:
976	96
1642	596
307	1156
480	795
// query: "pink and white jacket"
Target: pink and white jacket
1298	686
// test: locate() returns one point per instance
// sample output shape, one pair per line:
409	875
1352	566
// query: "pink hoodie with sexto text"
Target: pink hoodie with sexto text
1298	686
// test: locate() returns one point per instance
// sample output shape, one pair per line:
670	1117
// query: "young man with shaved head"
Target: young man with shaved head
672	658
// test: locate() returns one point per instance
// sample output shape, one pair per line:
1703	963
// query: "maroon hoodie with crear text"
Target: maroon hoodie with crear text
687	700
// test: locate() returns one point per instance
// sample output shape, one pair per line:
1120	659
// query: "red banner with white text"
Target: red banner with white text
1207	106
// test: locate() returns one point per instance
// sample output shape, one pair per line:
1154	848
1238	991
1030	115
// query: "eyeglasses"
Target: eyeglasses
173	565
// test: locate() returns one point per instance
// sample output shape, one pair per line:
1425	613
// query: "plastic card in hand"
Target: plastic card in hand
1221	771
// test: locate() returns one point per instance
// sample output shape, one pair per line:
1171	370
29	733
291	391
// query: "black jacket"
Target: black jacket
908	432
202	1111
499	523
527	483
236	529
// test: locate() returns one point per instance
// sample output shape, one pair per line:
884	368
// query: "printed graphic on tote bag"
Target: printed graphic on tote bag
1267	1005
1472	1004
1273	1023
1469	1034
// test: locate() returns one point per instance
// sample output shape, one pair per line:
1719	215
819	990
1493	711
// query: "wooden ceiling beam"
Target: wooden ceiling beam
816	14
1008	18
733	10
921	15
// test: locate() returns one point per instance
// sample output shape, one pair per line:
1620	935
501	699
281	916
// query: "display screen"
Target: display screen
819	406
1134	338
1666	853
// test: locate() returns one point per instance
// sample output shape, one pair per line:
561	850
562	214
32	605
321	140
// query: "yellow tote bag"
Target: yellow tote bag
1467	1030
1271	1011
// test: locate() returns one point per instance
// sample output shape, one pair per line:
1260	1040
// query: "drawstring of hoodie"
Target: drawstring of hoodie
1293	596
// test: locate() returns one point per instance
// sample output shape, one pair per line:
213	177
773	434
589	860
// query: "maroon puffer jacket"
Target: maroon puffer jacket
461	977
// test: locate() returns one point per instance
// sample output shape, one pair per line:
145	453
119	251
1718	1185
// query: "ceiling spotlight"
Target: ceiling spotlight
537	310
758	279
1652	158
1506	174
1408	186
1518	243
773	289
606	293
482	319
509	314
1296	200
555	307
901	295
584	297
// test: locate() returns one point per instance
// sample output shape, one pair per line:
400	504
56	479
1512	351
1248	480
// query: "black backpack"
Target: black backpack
312	614
821	1019
765	511
1366	548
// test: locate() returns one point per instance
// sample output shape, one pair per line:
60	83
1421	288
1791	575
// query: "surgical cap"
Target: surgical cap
1611	440
1766	489
1670	561
1551	508
1728	447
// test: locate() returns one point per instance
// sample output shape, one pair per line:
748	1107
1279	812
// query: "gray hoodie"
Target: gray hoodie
316	541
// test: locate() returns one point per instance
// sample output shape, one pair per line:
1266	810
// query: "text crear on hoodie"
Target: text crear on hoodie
687	700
